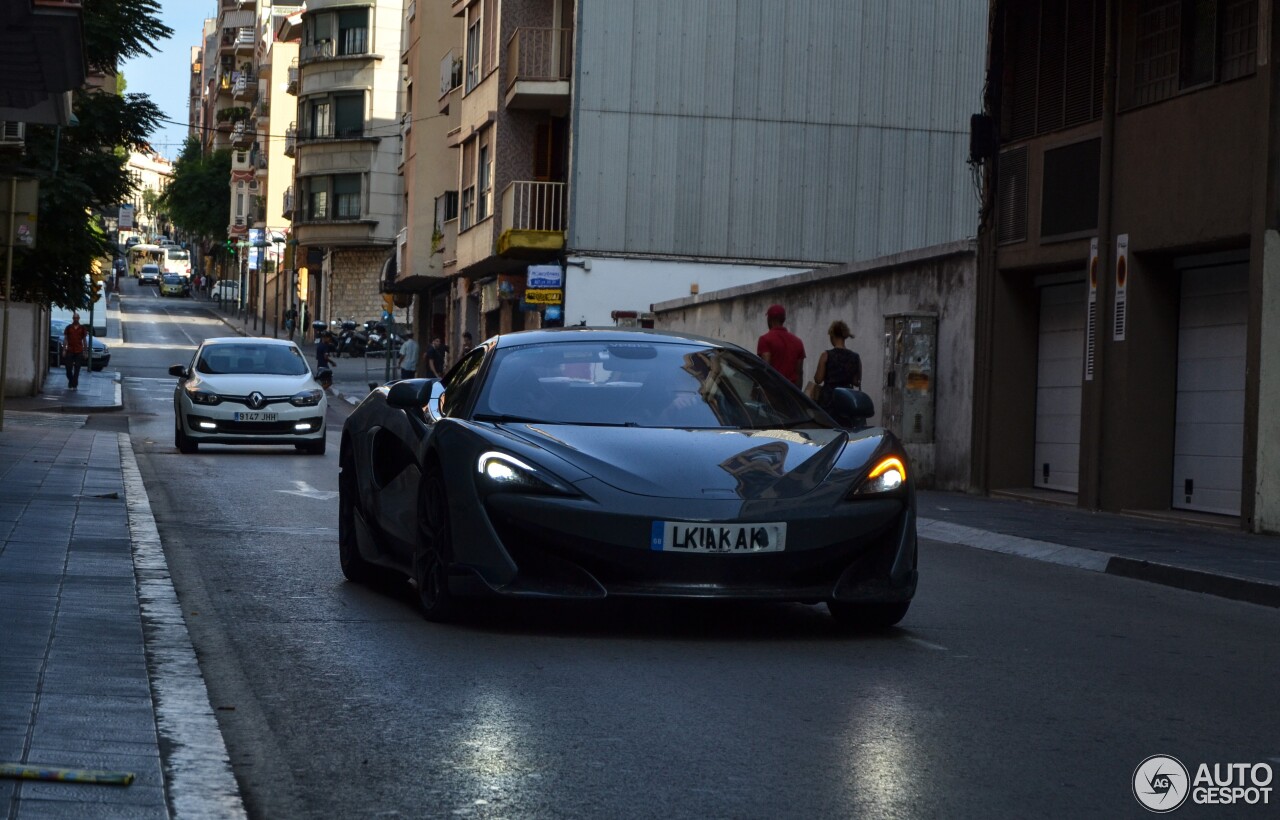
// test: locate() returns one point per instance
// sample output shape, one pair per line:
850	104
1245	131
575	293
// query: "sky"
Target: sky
165	75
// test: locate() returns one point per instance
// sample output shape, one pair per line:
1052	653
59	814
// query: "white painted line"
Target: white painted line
926	644
949	533
307	491
197	771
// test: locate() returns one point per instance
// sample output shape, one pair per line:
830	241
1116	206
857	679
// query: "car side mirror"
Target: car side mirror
411	394
179	370
851	408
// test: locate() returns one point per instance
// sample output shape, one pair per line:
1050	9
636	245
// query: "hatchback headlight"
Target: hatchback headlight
889	474
199	396
307	398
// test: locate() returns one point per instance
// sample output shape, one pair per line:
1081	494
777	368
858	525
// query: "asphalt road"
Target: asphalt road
1013	688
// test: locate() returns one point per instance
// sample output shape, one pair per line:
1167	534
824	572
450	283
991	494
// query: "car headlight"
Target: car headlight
889	474
307	398
199	396
503	472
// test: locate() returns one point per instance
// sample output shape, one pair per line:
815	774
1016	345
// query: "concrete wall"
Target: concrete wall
1267	489
939	280
636	284
28	353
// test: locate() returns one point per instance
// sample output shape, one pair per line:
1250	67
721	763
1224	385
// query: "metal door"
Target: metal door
1059	373
1208	445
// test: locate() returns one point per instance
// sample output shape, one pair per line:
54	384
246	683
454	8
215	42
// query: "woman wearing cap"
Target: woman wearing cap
837	367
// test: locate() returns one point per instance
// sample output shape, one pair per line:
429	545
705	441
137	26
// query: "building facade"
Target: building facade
151	174
348	204
1128	266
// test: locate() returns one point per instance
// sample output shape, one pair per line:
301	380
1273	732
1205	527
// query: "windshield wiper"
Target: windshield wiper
505	418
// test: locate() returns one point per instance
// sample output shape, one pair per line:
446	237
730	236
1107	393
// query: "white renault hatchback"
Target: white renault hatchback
248	391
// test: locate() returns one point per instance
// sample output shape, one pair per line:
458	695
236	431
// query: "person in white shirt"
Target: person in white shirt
408	356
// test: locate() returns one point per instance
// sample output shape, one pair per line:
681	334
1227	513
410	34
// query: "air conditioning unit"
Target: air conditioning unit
11	132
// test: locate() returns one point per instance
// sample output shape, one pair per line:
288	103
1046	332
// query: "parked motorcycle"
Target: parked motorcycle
351	342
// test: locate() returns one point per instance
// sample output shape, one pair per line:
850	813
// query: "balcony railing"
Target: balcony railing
315	51
292	86
289	202
534	206
540	54
406	128
237	38
291	139
450	72
244	82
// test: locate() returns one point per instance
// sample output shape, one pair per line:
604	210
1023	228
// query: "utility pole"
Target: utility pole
8	293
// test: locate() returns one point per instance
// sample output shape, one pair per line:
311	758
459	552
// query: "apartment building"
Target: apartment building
348	200
1128	317
151	174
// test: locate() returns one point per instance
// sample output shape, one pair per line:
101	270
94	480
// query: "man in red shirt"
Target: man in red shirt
74	338
782	348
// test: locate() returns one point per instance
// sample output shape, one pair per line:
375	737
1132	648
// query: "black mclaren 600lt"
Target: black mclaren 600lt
581	463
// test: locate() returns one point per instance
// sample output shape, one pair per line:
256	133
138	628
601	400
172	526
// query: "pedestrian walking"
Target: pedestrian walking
324	349
780	347
435	359
75	337
467	343
408	356
837	367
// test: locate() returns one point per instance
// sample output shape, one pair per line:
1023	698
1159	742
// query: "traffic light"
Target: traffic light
95	289
231	248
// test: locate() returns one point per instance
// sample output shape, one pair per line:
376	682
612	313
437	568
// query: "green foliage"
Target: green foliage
115	30
80	175
198	198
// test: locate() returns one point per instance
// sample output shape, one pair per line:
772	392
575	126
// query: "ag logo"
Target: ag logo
1161	783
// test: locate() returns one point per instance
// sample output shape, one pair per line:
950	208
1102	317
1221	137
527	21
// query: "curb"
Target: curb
1221	585
197	770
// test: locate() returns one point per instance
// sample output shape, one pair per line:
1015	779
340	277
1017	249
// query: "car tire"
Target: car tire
430	572
354	567
184	442
868	616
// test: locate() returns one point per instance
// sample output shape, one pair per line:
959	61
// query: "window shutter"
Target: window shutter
1012	223
1024	25
1053	14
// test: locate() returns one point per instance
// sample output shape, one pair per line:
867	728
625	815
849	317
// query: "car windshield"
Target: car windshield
172	279
178	255
150	269
256	359
642	384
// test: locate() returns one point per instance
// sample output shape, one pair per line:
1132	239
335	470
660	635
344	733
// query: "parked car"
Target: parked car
228	289
583	464
248	391
149	274
175	284
101	352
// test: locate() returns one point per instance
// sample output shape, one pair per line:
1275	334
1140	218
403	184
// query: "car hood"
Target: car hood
677	463
242	385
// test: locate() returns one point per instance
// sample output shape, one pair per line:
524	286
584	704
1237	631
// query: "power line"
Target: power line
207	128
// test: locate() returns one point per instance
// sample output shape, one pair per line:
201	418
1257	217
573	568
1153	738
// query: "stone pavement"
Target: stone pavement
87	617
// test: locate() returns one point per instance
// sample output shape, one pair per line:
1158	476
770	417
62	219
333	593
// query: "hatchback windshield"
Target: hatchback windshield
642	384
173	279
269	360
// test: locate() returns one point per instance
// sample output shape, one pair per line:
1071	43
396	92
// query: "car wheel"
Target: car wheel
354	567
430	573
182	441
868	616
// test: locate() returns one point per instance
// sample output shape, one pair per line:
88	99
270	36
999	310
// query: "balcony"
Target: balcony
315	51
289	203
291	139
241	136
240	160
243	84
450	76
236	39
292	86
533	219
539	65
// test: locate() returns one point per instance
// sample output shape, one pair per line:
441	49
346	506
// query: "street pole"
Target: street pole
8	294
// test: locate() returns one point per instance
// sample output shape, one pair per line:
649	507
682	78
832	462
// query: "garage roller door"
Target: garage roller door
1208	443
1058	376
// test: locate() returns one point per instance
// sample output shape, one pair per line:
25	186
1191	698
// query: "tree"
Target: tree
82	171
115	30
198	197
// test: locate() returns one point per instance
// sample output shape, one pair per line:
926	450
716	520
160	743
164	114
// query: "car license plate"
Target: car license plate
255	416
736	539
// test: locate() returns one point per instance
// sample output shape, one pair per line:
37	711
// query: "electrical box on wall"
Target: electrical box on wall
910	370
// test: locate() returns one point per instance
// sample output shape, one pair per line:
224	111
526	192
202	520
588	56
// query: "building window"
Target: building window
346	194
1069	190
348	115
321	120
446	207
473	55
1054	51
353	31
468	185
484	174
1181	44
318	203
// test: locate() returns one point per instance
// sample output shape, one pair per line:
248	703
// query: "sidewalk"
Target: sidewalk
91	638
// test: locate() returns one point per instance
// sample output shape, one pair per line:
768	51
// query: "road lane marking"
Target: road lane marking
307	491
926	644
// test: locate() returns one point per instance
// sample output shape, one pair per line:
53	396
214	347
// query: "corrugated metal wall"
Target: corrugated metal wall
798	130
